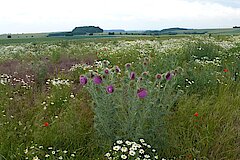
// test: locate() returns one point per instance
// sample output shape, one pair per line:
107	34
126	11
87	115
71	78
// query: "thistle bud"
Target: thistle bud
168	76
132	75
158	76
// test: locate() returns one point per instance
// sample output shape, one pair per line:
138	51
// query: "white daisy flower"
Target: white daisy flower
119	141
116	148
132	153
124	149
123	156
141	151
146	156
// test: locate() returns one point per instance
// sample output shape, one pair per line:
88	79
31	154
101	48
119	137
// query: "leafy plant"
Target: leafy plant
130	106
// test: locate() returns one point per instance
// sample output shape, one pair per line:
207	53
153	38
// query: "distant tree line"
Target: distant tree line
236	27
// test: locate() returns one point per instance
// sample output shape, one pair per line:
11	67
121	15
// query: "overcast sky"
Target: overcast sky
24	16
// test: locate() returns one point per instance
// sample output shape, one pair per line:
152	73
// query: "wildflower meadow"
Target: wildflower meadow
132	98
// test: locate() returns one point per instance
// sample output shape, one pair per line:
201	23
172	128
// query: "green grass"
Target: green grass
214	134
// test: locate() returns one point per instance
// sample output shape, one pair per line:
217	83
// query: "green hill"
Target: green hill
174	31
86	30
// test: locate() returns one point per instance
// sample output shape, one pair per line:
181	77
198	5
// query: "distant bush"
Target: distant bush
58	34
236	27
110	33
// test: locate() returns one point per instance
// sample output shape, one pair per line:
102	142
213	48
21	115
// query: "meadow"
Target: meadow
169	97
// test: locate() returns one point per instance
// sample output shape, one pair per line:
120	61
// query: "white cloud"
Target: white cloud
57	15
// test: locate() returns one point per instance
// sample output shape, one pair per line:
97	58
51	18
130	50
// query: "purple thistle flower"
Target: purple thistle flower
97	79
110	89
106	71
83	80
142	93
132	75
168	76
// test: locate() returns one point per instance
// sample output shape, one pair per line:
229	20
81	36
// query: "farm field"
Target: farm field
163	97
219	31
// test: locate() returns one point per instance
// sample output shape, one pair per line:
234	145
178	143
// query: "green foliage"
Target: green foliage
198	50
42	74
15	120
214	134
123	114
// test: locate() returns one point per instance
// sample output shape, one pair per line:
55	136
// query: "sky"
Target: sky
34	16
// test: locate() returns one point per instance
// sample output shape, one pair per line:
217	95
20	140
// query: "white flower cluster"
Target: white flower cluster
58	82
98	65
80	66
131	150
189	82
12	80
4	79
26	49
37	152
206	61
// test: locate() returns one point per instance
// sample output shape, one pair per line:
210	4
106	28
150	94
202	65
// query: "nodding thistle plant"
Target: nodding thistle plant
128	105
131	150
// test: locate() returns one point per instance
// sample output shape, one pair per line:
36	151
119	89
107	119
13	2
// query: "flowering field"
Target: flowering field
153	98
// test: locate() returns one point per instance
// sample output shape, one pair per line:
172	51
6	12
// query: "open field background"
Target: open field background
223	31
27	37
46	113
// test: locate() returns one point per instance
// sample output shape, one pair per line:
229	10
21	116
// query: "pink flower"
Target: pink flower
106	71
142	93
97	79
83	80
110	89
